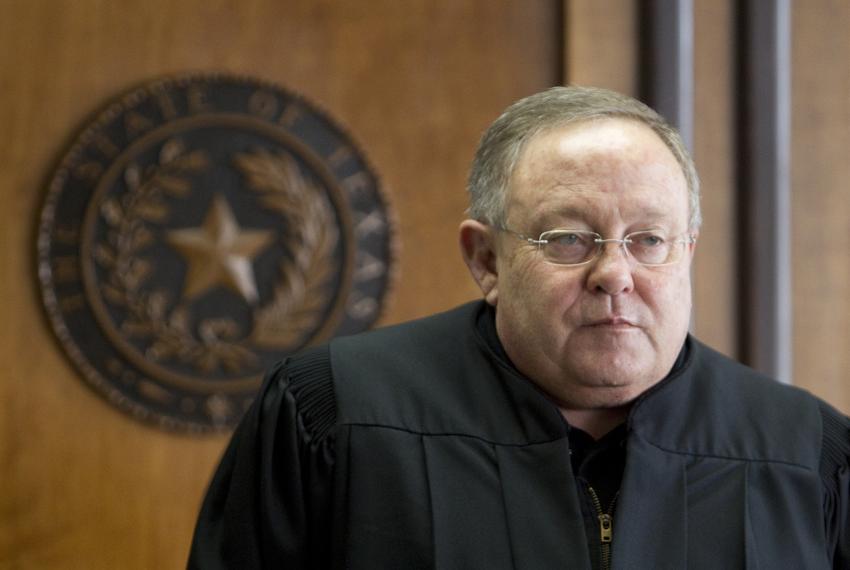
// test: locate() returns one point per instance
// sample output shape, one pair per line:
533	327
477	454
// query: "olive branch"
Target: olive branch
148	313
300	296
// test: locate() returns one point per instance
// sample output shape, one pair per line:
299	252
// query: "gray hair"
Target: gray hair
503	142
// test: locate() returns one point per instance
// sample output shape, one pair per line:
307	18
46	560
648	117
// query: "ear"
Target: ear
478	246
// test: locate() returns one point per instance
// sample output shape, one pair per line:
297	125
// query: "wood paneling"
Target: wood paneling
416	82
764	131
715	275
820	195
601	44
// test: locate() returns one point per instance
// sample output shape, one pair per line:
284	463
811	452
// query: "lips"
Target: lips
613	322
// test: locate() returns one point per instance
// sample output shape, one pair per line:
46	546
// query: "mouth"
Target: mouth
613	323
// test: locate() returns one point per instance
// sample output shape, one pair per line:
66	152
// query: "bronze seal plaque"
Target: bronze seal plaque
200	229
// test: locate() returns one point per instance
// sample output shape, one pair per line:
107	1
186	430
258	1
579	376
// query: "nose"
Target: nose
611	272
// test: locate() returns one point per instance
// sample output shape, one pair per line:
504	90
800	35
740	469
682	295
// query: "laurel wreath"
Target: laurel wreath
298	300
216	343
301	295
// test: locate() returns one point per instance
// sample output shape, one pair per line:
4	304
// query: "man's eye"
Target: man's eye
648	240
568	239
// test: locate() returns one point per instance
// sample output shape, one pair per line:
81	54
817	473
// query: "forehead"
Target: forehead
598	169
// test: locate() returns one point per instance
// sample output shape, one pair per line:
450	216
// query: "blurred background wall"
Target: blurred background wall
416	82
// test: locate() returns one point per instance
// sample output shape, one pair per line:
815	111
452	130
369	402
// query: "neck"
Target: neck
598	421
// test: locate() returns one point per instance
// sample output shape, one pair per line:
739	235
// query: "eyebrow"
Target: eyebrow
579	214
567	212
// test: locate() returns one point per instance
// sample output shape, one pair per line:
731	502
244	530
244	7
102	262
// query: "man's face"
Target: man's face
599	334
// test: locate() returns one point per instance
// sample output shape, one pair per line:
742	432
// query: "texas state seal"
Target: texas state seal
201	228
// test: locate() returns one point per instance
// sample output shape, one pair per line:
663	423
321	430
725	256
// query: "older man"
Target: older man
566	421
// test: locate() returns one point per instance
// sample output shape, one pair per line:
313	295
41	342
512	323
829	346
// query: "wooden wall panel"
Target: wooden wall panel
416	82
715	275
601	41
821	198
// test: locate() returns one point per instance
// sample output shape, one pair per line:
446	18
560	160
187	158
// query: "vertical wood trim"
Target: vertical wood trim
765	187
667	54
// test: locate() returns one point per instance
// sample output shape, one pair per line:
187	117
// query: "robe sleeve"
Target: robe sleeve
835	475
269	502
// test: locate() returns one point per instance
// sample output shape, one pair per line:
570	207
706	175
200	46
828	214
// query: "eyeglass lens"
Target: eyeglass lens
576	247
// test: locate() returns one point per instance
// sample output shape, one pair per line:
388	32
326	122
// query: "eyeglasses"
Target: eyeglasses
577	247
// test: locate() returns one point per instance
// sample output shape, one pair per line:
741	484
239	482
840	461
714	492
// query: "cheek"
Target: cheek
538	288
557	292
668	297
516	275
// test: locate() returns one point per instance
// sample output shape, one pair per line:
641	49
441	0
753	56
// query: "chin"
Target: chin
602	397
618	380
620	366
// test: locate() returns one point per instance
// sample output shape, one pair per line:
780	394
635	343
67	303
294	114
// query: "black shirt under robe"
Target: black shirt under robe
420	446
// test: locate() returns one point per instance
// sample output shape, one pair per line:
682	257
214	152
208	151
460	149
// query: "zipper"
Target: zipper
606	527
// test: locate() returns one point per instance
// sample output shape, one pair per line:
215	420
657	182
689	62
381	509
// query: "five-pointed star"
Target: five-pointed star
219	252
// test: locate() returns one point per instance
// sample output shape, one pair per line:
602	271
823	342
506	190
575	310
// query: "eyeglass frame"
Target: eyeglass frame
600	241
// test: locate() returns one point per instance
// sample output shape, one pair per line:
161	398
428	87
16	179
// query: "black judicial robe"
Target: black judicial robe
417	446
